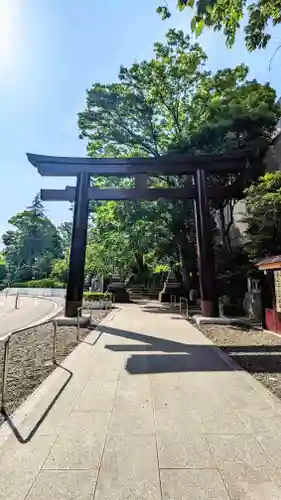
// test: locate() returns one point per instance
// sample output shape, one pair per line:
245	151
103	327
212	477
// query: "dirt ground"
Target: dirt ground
257	351
30	358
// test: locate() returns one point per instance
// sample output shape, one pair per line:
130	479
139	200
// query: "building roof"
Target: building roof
272	262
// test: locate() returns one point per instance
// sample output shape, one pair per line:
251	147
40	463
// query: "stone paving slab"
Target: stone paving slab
80	442
64	485
152	411
197	484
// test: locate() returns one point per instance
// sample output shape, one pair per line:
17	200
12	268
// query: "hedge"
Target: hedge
44	283
95	296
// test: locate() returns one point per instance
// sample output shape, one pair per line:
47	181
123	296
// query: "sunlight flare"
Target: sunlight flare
9	34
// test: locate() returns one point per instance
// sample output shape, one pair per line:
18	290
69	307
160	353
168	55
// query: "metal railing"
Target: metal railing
17	300
92	306
180	303
98	305
7	339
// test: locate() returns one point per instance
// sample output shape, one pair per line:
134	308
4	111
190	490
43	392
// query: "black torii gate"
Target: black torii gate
141	168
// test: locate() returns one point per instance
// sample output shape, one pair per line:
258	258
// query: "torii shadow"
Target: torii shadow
169	356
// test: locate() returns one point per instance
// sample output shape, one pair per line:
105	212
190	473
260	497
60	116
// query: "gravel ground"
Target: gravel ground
257	351
30	358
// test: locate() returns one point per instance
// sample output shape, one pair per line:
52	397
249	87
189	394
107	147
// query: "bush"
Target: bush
95	296
44	283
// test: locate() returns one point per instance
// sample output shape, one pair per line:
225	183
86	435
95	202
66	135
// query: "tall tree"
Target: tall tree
227	15
65	232
172	103
33	244
263	216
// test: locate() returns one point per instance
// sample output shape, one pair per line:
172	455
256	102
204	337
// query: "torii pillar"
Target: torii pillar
76	274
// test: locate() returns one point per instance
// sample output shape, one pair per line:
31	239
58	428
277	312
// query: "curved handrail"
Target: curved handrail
6	339
178	301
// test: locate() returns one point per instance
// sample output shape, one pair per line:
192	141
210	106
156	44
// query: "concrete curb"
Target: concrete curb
202	320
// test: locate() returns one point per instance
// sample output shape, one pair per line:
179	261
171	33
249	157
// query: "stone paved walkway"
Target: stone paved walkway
151	412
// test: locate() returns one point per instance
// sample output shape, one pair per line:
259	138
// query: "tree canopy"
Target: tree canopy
227	15
33	244
157	104
263	216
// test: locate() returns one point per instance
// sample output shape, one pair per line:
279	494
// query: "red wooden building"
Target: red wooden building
271	292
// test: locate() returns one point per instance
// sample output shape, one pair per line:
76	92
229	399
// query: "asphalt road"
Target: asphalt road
30	311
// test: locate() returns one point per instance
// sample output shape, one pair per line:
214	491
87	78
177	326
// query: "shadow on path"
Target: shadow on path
181	357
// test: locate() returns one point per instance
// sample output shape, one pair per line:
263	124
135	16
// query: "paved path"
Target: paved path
151	412
30	310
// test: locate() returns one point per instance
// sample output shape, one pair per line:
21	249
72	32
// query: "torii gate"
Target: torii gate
141	168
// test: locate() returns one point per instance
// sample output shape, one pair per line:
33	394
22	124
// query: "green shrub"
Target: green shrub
95	296
23	284
43	283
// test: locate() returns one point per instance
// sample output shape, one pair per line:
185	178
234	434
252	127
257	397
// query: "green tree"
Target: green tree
65	233
128	238
33	244
227	15
160	104
60	269
263	216
172	103
3	268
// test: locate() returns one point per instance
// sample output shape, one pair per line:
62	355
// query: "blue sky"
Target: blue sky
51	51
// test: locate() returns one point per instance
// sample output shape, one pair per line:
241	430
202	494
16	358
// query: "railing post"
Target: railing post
5	373
54	353
78	324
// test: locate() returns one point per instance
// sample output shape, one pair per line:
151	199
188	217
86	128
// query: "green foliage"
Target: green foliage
161	268
65	233
43	283
60	268
97	296
172	100
3	268
147	109
263	216
226	15
32	245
